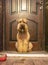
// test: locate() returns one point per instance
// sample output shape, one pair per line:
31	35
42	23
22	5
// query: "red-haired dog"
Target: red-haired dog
23	37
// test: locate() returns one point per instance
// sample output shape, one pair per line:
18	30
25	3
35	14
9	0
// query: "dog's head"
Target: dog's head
22	26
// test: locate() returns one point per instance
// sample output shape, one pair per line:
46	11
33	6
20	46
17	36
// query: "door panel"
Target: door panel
30	9
33	30
13	6
33	5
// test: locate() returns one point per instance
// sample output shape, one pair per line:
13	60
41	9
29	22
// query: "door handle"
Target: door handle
41	5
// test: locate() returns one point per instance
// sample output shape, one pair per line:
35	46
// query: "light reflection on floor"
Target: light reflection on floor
28	55
32	54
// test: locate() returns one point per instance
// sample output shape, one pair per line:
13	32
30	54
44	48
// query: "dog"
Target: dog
23	37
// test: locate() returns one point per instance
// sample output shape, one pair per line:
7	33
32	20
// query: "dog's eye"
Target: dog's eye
20	21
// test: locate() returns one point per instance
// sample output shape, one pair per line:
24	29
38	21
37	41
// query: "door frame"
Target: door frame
4	25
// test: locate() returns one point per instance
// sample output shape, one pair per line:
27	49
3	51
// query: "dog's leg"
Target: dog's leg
20	43
25	46
16	46
30	46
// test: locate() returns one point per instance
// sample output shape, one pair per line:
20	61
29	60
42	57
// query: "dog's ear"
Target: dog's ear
20	20
25	20
18	26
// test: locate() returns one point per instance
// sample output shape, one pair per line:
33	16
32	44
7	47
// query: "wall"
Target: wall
1	27
46	25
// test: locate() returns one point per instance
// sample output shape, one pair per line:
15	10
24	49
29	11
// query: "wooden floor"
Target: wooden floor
20	60
25	61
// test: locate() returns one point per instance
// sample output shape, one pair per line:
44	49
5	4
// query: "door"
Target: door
32	10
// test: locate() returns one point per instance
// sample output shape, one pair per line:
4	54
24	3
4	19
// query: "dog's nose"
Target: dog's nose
22	30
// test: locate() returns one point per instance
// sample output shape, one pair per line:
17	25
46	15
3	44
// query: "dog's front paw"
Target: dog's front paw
30	46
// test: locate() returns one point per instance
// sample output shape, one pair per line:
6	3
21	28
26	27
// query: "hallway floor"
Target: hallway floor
25	61
36	58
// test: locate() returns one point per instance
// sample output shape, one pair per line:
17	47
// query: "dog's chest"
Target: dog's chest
22	36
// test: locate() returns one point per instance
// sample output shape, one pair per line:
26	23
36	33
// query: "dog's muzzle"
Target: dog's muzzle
22	29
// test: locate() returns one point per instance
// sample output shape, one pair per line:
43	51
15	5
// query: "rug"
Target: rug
25	61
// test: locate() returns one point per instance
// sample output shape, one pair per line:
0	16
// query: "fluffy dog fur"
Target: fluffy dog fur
23	36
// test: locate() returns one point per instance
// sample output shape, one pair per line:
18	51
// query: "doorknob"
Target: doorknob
41	5
41	2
